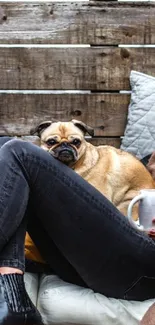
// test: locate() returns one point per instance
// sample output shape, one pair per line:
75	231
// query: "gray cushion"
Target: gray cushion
139	136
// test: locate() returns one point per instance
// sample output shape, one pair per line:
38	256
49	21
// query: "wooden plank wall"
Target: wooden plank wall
36	71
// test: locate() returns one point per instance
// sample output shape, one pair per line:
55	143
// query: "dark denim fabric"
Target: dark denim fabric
145	159
80	234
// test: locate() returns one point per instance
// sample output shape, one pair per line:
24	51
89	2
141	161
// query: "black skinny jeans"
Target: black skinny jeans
81	234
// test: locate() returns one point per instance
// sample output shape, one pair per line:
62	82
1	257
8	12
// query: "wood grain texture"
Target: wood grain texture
100	22
107	113
73	68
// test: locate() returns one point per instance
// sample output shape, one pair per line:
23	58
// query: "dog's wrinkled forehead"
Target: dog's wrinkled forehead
62	129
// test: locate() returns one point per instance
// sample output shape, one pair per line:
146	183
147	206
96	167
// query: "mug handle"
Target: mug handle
129	212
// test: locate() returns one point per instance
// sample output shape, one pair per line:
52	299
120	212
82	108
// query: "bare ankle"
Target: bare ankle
9	270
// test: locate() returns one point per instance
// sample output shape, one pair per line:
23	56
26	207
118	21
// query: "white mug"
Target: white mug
146	210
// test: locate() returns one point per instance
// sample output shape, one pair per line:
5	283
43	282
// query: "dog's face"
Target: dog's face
64	140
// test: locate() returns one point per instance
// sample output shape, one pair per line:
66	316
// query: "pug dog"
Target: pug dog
115	173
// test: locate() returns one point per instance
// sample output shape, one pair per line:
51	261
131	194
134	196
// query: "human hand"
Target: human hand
151	231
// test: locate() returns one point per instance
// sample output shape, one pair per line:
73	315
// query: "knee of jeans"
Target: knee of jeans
17	146
24	152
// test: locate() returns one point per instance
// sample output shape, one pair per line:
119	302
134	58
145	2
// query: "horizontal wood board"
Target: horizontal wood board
104	69
107	113
94	22
73	68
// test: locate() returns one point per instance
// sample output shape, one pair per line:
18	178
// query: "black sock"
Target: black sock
15	293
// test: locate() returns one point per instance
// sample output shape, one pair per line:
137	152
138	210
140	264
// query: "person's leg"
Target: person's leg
12	255
108	254
59	265
4	139
16	307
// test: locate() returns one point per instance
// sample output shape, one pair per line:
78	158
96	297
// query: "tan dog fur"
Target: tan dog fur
115	173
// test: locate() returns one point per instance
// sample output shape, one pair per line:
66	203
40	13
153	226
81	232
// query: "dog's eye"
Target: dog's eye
76	142
51	142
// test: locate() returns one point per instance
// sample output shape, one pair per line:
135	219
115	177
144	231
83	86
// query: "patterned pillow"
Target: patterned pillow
139	136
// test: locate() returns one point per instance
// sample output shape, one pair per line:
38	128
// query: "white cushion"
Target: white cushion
63	303
32	283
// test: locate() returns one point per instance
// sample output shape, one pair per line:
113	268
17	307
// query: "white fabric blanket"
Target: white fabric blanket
61	303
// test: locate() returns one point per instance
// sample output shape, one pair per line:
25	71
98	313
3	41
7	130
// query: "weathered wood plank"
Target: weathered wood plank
105	112
73	68
105	141
95	141
99	22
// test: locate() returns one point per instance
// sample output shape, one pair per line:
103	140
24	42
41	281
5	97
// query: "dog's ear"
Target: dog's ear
40	128
83	127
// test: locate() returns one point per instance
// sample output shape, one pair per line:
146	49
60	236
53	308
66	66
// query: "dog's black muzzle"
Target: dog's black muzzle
65	153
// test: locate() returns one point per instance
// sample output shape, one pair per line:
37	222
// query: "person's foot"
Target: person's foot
16	308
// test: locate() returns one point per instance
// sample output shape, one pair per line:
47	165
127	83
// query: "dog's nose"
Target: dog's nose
64	144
